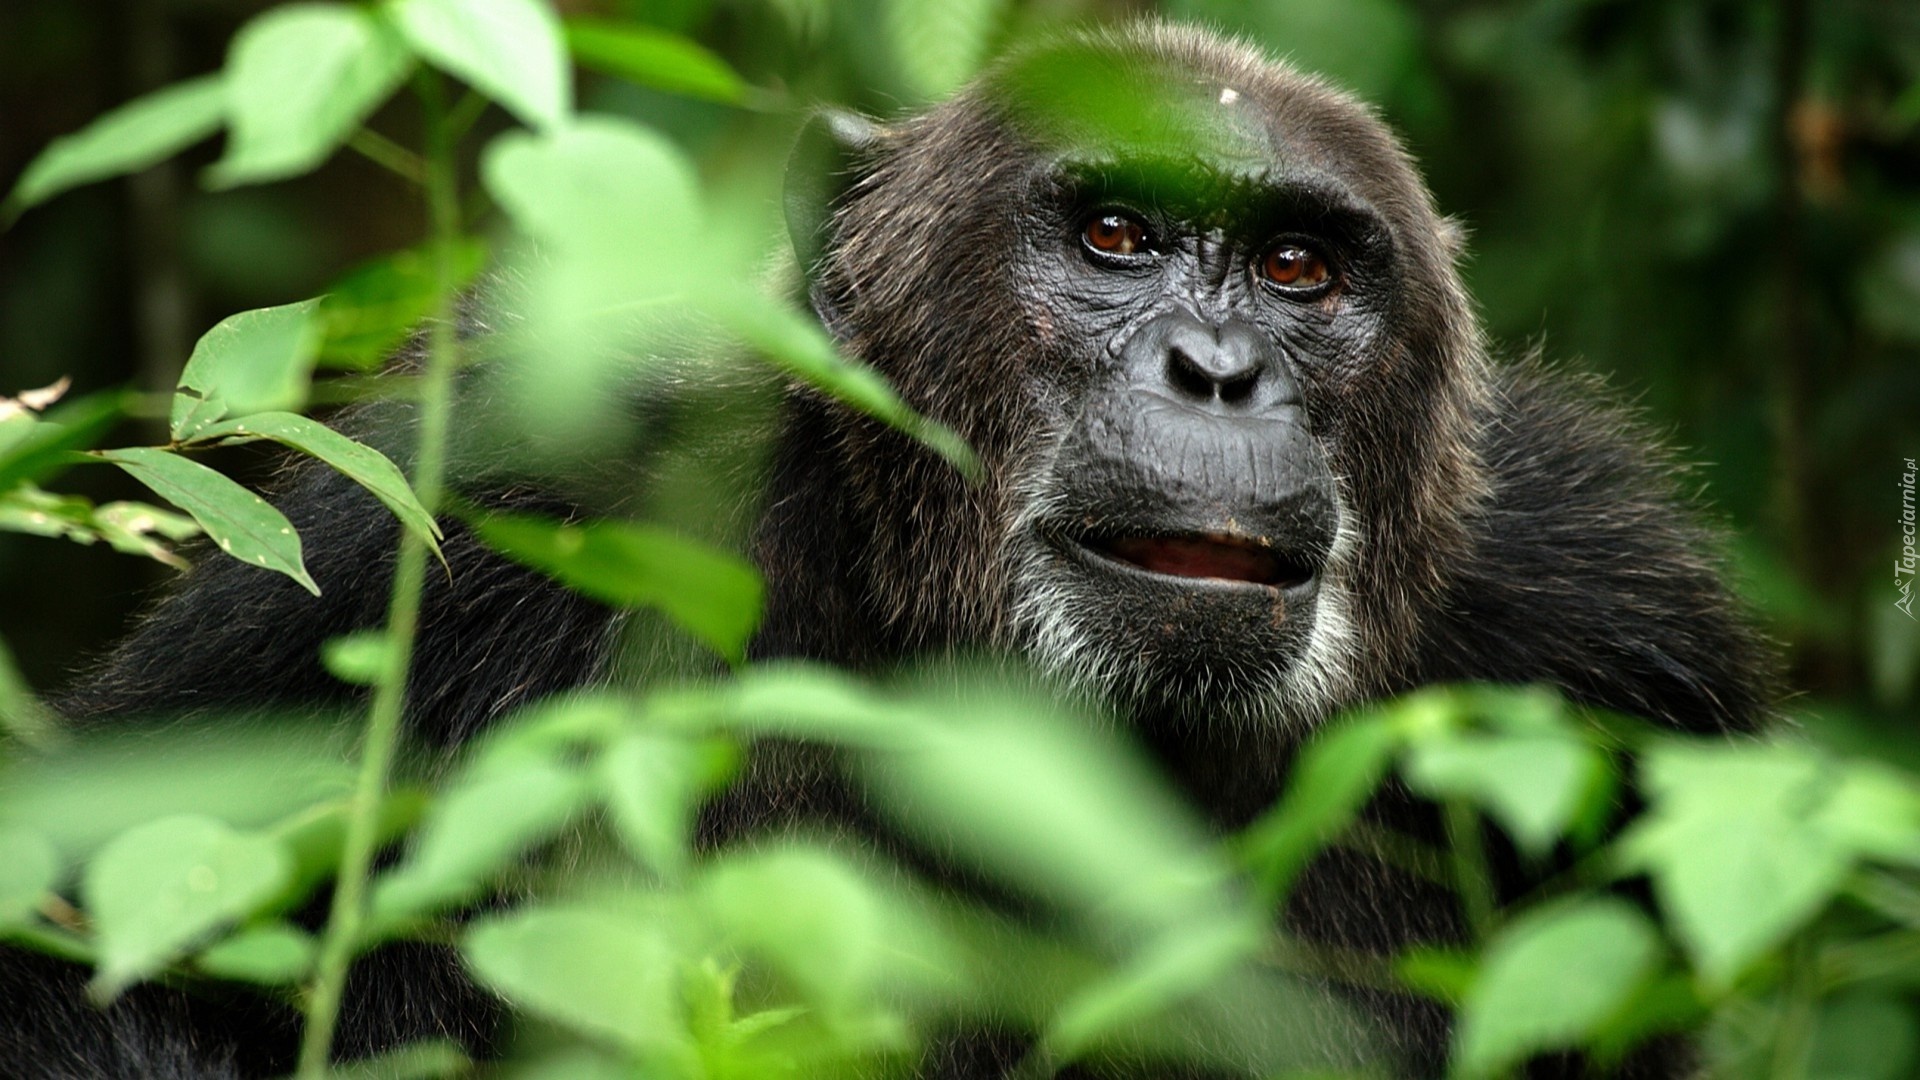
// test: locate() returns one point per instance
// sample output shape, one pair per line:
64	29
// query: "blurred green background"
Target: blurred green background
1714	204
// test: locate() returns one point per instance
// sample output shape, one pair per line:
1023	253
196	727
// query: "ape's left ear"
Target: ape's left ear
828	158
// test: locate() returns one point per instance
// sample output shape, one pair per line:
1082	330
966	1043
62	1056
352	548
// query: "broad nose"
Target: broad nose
1231	366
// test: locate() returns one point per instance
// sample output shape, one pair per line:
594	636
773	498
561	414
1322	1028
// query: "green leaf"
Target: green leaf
359	658
141	133
252	362
800	701
509	50
36	449
367	314
606	975
474	831
1875	811
1551	979
239	521
156	889
939	44
822	924
29	867
1181	965
248	774
1115	847
713	595
654	58
1531	783
300	80
604	188
653	785
272	955
1736	861
1335	775
797	345
431	1059
1864	1035
357	461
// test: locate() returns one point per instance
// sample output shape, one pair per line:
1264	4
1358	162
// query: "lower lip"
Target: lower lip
1186	580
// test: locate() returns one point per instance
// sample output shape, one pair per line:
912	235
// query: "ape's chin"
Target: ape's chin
1161	633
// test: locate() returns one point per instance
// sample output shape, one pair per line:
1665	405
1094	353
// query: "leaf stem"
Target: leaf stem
1471	876
389	155
348	913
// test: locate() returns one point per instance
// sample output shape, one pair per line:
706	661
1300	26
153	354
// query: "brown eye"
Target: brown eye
1294	266
1115	234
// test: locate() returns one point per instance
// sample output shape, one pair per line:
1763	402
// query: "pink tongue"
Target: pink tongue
1195	558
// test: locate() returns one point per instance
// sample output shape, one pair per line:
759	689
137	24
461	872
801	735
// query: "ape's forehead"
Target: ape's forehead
1209	118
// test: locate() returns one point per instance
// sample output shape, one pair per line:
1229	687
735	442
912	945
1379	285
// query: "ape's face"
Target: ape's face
1217	300
1187	514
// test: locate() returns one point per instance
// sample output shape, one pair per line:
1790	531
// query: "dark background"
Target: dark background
1713	204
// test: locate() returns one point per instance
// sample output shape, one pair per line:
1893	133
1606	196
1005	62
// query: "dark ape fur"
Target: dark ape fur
1487	522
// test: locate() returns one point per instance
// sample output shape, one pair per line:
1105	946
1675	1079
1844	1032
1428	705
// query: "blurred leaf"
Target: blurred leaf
824	925
359	658
245	774
1875	811
509	50
272	955
1368	46
357	461
603	188
1550	979
141	133
1115	847
651	57
939	44
300	79
239	521
602	974
713	595
797	345
1334	776
127	526
473	831
1864	1035
1532	784
1174	968
131	528
431	1059
29	867
157	888
316	837
795	700
1444	975
252	362
653	785
370	312
1735	861
31	449
22	716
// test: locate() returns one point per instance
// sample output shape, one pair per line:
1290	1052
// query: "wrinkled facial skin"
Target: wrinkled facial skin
1220	485
1189	512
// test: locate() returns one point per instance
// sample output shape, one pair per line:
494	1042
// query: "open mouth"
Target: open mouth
1208	556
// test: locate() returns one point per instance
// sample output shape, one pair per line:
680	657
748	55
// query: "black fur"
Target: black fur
1506	524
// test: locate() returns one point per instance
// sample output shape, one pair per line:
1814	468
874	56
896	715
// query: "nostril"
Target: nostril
1238	389
1186	375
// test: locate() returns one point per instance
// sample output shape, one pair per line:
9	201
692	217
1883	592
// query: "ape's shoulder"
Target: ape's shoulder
1592	569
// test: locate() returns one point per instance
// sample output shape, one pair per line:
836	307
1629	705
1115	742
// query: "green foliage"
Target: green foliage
300	80
128	139
239	521
713	595
1784	932
157	888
